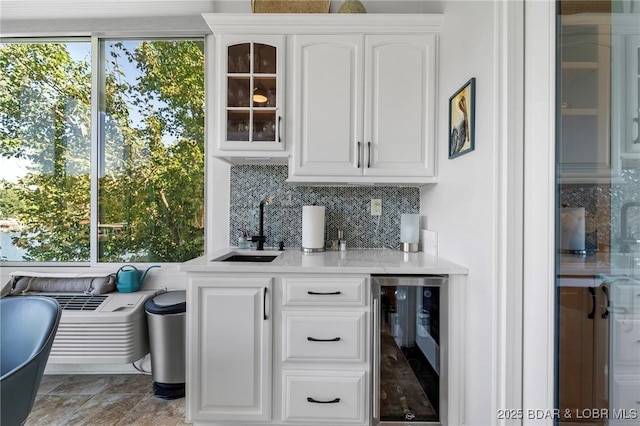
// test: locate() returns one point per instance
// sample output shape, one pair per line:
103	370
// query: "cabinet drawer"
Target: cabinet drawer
324	291
323	397
625	297
626	397
626	341
335	336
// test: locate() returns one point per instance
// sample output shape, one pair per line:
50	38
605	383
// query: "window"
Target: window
133	192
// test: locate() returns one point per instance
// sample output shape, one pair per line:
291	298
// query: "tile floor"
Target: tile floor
107	400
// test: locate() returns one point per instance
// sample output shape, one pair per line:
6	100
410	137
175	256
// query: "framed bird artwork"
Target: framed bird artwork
462	120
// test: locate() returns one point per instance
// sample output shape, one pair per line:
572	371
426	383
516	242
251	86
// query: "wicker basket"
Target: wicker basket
290	6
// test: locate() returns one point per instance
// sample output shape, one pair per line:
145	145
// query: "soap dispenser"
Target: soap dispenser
341	241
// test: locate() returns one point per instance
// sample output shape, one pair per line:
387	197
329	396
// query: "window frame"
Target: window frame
97	80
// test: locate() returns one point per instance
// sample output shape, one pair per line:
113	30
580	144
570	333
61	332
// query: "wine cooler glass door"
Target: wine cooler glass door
406	350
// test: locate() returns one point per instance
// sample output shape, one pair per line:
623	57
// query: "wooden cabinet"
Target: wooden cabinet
583	350
364	106
588	153
229	349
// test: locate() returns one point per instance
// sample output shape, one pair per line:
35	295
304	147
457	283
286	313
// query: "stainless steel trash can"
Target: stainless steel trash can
166	318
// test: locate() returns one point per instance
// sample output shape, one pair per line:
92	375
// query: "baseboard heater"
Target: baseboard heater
99	329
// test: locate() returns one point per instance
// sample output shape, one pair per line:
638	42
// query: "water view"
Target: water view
9	253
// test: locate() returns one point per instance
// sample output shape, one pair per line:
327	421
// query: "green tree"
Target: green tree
10	202
151	187
45	118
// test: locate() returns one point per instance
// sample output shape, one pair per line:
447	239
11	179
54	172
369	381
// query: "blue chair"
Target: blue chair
28	325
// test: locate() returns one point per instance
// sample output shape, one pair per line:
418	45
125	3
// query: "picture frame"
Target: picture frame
462	120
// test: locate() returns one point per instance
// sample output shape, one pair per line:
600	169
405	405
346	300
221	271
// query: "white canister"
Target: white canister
409	232
313	228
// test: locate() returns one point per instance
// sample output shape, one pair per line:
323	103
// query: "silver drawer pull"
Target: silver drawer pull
320	293
333	401
313	339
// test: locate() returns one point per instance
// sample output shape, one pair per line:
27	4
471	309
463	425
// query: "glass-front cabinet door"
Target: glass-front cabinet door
251	93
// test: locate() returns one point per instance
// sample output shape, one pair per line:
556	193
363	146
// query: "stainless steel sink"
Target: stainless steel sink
248	256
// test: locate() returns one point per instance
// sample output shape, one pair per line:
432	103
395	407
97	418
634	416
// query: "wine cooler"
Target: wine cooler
406	361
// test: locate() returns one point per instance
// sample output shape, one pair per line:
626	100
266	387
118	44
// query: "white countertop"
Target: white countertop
591	270
578	265
366	261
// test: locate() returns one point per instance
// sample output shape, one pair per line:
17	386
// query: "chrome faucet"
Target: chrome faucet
260	238
625	238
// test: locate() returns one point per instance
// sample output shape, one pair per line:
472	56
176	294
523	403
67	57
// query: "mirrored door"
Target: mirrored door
598	213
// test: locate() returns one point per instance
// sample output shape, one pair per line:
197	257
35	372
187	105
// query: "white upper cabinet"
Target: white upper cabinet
399	105
249	94
359	91
589	153
364	108
328	105
625	81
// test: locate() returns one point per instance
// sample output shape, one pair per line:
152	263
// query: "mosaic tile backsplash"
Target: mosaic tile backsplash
603	205
347	208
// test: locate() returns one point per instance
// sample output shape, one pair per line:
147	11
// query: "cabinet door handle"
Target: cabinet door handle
279	129
368	155
264	304
376	354
592	314
313	339
333	401
358	153
320	293
605	314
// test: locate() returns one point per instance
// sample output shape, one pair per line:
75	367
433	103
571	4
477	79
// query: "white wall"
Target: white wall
462	206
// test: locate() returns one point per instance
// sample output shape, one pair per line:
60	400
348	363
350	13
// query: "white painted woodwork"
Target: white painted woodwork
348	327
327	84
626	392
588	151
631	119
625	71
349	387
333	72
399	105
325	370
538	326
624	369
229	149
626	340
243	369
320	291
365	108
231	349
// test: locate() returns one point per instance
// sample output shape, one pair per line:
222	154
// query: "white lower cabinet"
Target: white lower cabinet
324	355
324	396
287	350
229	323
322	336
625	352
